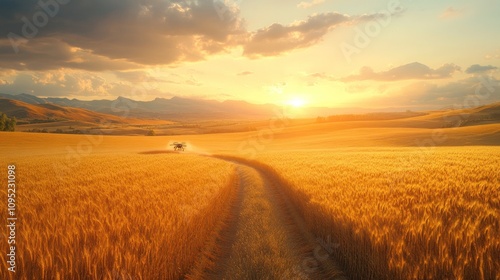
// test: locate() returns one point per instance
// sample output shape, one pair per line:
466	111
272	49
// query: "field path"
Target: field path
266	239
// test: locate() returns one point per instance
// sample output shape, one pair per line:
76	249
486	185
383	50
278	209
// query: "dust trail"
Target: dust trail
189	148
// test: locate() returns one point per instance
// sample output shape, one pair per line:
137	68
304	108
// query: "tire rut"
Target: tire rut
266	238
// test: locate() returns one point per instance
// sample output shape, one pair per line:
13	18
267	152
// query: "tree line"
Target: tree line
6	123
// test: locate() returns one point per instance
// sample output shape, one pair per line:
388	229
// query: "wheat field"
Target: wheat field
400	213
117	216
128	211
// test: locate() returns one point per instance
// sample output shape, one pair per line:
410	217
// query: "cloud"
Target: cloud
101	35
410	71
136	76
493	55
305	5
478	69
463	93
277	38
112	35
245	73
450	13
311	79
322	76
52	53
59	83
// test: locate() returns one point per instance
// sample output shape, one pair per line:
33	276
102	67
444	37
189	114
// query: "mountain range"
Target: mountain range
178	108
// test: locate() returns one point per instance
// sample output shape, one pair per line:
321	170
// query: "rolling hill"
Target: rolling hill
486	114
473	125
52	112
181	109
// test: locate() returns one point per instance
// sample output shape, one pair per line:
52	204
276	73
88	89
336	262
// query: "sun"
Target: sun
296	102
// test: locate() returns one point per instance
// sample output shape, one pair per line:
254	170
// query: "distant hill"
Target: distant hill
52	112
159	108
487	114
188	109
27	98
179	108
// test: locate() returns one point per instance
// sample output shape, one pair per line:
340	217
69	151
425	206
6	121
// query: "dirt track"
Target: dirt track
266	239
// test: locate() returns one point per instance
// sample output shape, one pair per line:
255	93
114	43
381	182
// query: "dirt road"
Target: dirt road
266	239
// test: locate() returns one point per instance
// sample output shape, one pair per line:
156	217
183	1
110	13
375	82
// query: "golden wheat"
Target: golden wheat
401	213
116	216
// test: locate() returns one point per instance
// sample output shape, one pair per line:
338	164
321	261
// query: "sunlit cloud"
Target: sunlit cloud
494	55
245	73
450	13
108	48
278	38
312	3
409	71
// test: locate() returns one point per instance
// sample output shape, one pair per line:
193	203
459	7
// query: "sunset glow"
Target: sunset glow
250	139
364	54
296	102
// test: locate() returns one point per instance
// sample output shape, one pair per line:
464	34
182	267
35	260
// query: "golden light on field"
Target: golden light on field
407	213
226	140
235	204
88	226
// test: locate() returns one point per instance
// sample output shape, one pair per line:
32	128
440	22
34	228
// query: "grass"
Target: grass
398	213
146	216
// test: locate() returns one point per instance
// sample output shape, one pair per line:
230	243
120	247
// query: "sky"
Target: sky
334	53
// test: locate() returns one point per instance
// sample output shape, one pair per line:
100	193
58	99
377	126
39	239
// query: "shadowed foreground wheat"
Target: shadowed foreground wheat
117	216
401	213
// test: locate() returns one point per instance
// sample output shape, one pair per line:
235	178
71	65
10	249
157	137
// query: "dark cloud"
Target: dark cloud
112	34
52	54
100	35
406	72
277	38
476	68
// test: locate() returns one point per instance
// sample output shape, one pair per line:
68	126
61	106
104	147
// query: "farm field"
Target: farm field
117	216
398	213
249	140
236	204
